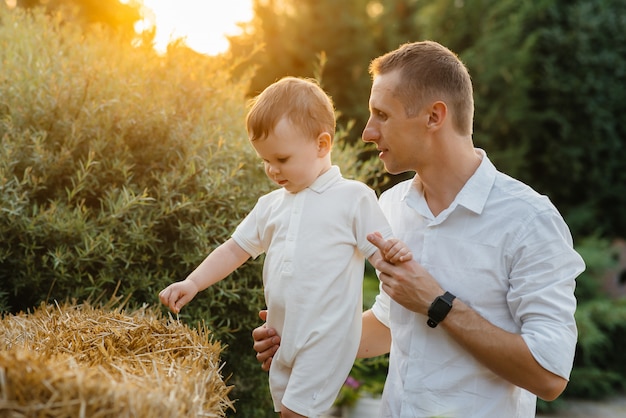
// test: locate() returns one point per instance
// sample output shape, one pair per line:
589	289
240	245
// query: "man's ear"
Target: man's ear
324	144
437	115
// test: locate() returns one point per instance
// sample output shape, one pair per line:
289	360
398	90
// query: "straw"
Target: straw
83	361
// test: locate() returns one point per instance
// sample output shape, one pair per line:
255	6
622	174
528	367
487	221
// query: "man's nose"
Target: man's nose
370	134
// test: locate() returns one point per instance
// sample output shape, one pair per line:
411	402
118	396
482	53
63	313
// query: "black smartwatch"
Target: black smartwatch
439	309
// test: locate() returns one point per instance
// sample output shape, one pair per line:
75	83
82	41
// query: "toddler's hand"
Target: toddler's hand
393	250
396	252
176	295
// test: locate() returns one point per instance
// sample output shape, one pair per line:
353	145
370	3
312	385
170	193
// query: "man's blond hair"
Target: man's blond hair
430	72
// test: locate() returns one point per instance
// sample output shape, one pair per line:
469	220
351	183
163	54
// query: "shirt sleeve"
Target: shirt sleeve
369	218
541	296
247	234
381	307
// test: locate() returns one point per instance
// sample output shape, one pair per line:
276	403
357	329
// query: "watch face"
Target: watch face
439	309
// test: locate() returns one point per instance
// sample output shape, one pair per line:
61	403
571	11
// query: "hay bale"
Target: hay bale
83	361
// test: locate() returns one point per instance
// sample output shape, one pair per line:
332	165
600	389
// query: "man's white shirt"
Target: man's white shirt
505	251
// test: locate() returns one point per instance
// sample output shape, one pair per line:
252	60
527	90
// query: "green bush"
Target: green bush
119	171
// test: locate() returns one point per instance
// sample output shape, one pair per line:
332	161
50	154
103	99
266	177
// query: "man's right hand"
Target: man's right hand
266	342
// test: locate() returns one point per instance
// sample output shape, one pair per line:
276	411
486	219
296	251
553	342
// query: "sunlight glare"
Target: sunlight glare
202	24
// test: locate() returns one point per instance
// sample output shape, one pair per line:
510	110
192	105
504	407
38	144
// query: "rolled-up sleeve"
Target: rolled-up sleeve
541	296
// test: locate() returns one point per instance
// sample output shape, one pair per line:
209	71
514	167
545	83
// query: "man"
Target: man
481	322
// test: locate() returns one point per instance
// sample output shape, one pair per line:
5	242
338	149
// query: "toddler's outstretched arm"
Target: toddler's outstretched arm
217	266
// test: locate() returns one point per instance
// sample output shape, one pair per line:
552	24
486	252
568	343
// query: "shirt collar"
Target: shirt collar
323	182
472	196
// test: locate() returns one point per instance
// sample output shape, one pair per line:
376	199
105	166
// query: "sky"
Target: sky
202	23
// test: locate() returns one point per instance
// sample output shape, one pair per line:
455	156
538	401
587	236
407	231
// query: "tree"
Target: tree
578	97
111	13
